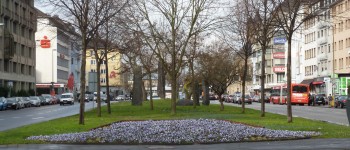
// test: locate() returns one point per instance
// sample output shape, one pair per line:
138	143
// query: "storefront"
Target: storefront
342	84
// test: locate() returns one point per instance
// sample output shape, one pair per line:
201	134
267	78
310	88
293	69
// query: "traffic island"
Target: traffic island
189	131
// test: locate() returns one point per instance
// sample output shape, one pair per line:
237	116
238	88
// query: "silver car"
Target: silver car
35	101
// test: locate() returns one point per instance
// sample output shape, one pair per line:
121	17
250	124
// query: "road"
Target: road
322	113
15	118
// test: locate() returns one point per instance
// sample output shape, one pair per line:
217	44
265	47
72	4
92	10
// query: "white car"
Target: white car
67	98
120	98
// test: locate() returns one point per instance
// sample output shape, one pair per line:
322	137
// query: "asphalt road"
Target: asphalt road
307	144
15	118
322	113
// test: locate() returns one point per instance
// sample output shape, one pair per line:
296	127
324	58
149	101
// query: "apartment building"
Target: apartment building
317	48
276	62
58	55
118	80
17	44
340	12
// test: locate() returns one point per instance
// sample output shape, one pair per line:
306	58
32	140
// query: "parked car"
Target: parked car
121	98
256	98
247	99
340	101
35	101
13	103
153	98
86	98
58	98
3	103
212	97
236	98
230	99
21	102
48	99
26	101
266	99
320	99
67	98
42	100
103	97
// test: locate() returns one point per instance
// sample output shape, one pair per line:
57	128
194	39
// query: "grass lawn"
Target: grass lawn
124	111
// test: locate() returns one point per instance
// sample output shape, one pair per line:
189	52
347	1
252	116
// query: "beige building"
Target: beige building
17	44
117	78
340	10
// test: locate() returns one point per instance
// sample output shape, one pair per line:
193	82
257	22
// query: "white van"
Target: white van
67	98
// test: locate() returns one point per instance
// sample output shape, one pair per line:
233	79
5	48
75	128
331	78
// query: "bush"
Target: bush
31	92
4	91
22	93
184	103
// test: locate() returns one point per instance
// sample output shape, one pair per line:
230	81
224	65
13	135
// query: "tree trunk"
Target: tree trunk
205	87
173	93
243	83
289	81
107	86
137	87
82	80
98	67
144	92
195	94
221	103
161	81
262	81
150	91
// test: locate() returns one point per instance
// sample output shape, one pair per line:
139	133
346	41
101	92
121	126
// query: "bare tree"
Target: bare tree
265	29
82	16
288	15
220	68
238	34
177	22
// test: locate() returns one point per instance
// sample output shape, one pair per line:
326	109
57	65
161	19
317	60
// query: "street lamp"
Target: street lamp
52	77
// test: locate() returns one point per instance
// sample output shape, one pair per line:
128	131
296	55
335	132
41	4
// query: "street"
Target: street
15	118
322	113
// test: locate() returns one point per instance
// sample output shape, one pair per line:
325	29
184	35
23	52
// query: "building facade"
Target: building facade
17	44
340	12
276	62
57	55
117	78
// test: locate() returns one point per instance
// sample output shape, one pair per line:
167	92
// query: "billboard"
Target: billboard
279	40
279	69
279	55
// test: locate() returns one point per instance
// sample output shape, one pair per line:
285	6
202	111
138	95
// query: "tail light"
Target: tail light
344	101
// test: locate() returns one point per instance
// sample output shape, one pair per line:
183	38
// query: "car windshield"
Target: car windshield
46	96
65	96
342	97
11	100
33	98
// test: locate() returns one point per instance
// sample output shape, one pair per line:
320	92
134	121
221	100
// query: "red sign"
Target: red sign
279	55
45	43
278	69
112	75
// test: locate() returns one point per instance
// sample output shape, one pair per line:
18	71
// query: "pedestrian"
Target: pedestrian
330	98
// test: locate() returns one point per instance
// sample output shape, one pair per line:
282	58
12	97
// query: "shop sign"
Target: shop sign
278	69
45	43
279	55
279	40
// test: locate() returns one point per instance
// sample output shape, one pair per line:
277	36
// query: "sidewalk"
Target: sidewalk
307	144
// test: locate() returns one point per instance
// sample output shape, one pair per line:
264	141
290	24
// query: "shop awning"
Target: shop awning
317	82
307	81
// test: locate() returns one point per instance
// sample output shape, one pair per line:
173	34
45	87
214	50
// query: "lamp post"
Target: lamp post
52	77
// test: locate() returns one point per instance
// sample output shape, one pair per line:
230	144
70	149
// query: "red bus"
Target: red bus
300	94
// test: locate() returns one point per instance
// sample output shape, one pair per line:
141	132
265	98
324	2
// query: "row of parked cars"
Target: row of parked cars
239	99
16	103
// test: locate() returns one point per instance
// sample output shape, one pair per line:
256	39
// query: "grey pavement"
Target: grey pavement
306	144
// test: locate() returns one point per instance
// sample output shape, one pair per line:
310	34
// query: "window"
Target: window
280	77
72	61
103	80
92	61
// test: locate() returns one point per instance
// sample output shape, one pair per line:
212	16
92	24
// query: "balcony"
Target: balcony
322	25
322	56
322	40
